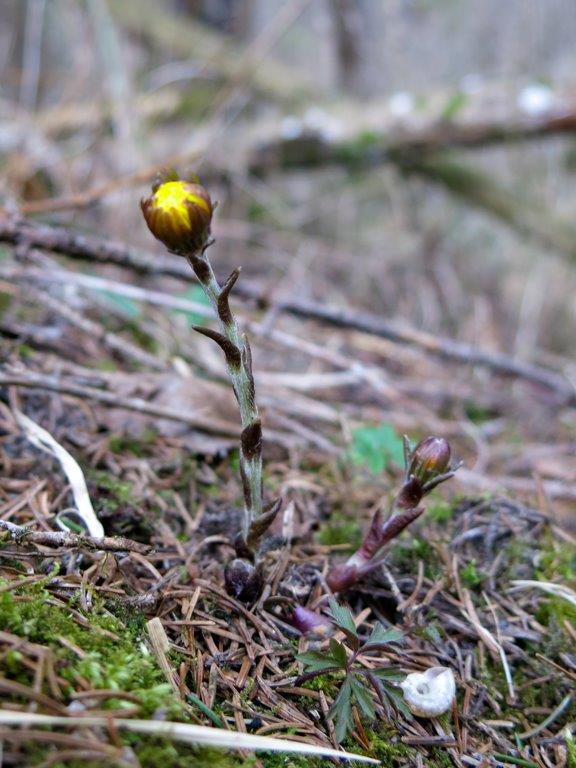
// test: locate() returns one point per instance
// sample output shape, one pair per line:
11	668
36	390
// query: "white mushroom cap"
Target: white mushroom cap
430	693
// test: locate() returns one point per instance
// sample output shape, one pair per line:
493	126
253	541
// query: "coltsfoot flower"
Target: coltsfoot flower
179	213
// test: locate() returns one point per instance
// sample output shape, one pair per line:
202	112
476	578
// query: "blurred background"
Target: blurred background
410	159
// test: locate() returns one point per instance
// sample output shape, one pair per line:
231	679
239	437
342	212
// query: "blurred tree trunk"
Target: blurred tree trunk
348	24
230	16
351	20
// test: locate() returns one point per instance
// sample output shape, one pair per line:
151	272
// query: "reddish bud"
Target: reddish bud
311	623
243	580
429	459
342	577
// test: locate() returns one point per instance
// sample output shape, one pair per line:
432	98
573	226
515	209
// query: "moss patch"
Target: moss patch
340	529
109	654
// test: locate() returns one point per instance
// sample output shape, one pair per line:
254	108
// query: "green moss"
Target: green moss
104	364
557	561
5	301
33	753
329	684
280	760
554	612
441	512
139	447
112	493
25	351
477	413
142	339
194	102
438	758
407	552
340	529
386	747
570	750
256	212
150	751
361	151
469	575
234	459
154	752
115	504
247	690
122	664
547	694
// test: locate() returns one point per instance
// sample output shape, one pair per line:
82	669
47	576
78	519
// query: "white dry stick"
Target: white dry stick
160	647
557	590
43	440
288	524
189	734
469	611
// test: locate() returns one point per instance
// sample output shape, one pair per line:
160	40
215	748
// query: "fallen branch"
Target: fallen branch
23	535
33	380
416	152
93	249
374	140
480	190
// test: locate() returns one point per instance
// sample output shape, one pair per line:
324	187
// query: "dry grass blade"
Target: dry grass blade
45	442
557	590
190	734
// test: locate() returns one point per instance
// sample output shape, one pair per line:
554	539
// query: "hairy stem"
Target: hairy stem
239	364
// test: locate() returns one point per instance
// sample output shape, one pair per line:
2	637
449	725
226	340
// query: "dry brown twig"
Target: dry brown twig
75	245
23	535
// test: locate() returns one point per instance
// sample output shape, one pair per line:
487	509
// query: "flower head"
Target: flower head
178	213
430	459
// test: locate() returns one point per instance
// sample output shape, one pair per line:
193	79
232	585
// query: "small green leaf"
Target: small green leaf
387	675
338	653
376	447
341	711
363	697
381	636
314	661
344	621
397	700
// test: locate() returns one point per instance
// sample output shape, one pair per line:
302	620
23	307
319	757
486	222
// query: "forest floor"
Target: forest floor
146	629
377	305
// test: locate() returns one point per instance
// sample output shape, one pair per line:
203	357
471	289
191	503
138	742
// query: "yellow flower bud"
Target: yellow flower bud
178	213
